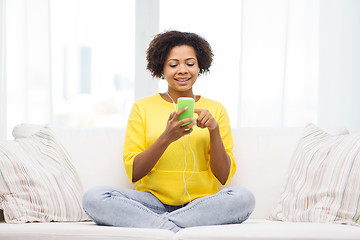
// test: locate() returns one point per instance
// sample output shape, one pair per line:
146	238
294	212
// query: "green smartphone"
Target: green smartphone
186	102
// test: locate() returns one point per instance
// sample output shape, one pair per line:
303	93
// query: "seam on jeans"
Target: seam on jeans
151	206
199	203
142	203
125	200
89	215
242	219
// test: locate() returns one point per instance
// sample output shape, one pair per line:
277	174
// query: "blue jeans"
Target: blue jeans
130	208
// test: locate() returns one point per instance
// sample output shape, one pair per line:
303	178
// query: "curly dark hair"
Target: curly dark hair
162	44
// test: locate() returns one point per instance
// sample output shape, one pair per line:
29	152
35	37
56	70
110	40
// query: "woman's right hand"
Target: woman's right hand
174	129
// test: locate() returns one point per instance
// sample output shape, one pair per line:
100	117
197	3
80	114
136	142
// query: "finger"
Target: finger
201	125
198	123
178	113
207	122
197	110
186	120
188	131
201	120
189	125
202	115
171	115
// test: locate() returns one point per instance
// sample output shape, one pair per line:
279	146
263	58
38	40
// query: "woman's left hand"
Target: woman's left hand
205	119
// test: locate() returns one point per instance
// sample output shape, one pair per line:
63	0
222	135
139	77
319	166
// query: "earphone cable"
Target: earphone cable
185	162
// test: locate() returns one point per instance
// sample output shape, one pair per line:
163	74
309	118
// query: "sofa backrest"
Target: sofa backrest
262	157
96	152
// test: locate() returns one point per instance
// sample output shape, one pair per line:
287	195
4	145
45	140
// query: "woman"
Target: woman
177	167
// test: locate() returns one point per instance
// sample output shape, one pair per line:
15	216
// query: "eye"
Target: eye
172	65
191	64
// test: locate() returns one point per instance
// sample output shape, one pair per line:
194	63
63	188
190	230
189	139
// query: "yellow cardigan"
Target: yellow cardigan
147	121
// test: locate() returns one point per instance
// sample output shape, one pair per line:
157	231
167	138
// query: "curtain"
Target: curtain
265	64
279	63
339	61
274	62
27	57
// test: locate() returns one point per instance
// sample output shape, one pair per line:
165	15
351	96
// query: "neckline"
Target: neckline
159	95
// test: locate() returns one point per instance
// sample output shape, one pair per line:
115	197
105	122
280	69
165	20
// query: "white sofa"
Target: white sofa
262	157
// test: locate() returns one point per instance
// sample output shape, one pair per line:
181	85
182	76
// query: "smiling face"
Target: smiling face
181	70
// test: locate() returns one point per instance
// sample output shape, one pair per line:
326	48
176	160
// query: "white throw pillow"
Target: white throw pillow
38	182
323	181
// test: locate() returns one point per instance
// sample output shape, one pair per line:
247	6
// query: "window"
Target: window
265	57
219	22
82	63
92	55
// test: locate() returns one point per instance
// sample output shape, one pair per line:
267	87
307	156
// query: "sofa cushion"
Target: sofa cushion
275	230
323	183
251	229
38	181
78	231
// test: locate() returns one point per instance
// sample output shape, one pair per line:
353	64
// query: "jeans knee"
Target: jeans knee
92	198
243	198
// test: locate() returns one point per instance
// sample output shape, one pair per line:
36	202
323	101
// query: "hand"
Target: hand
174	129
205	119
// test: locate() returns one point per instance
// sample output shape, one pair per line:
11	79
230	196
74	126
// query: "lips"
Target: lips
182	79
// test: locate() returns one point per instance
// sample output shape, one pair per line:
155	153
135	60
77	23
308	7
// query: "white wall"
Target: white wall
339	64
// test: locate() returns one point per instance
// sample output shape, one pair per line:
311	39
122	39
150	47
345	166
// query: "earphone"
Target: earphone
193	171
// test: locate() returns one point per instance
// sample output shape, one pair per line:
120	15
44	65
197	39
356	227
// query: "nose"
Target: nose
182	69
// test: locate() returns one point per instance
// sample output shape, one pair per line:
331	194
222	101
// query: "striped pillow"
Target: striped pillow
323	183
38	182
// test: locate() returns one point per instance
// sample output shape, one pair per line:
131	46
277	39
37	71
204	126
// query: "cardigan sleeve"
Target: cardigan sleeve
134	139
226	135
